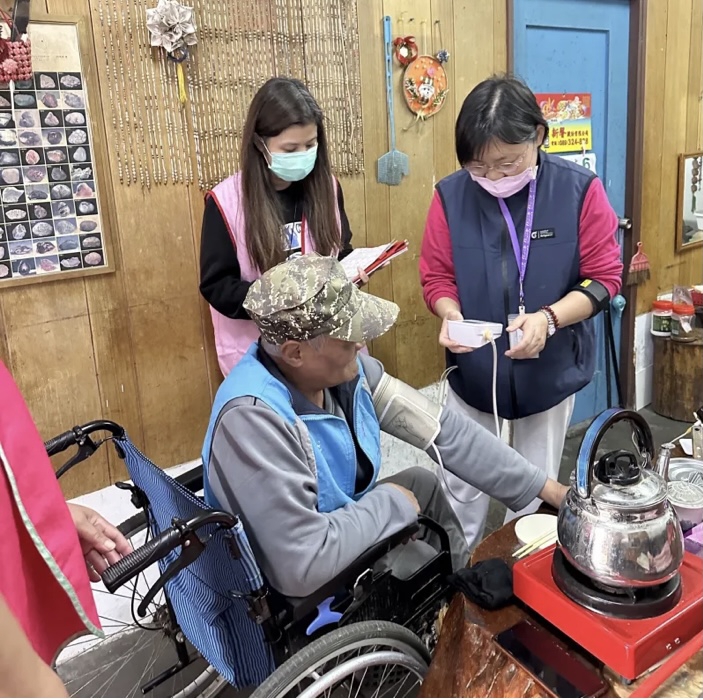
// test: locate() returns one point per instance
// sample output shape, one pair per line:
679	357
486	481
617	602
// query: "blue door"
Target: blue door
582	46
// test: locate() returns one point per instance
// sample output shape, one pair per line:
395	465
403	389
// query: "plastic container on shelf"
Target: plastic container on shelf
683	320
661	318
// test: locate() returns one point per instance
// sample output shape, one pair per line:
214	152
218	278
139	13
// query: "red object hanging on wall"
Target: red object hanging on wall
15	55
406	50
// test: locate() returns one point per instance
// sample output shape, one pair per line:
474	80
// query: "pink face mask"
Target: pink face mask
506	186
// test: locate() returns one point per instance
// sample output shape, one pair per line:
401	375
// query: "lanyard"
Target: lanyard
521	256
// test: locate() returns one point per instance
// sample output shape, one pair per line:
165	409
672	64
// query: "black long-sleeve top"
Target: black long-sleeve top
221	282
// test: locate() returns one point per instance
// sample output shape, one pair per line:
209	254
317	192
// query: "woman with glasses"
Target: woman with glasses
526	239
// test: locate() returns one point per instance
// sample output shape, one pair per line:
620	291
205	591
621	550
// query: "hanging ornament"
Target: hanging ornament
406	50
442	54
425	84
172	27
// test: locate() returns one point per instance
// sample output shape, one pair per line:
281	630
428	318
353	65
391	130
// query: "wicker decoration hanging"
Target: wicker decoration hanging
240	44
406	50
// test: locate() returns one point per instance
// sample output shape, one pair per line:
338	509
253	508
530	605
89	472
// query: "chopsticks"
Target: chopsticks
535	544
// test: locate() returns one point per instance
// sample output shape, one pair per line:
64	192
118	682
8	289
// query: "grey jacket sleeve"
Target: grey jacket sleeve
261	468
477	456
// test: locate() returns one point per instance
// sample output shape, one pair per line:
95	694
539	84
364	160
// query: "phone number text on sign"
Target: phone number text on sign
561	139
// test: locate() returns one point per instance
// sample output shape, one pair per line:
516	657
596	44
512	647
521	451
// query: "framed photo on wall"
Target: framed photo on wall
54	211
689	224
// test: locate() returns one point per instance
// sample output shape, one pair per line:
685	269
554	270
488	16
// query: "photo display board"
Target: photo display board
51	219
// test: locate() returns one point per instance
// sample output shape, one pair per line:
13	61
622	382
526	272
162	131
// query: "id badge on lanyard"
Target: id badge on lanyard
522	253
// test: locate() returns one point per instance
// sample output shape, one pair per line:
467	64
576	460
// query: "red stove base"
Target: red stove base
628	647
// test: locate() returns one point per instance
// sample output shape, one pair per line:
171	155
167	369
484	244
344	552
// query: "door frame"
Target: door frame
633	176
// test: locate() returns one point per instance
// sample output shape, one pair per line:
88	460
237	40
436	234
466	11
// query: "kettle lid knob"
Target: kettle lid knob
619	468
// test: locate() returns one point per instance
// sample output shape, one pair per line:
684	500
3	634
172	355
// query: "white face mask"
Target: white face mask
293	167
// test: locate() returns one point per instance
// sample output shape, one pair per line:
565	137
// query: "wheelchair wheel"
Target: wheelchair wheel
135	649
365	659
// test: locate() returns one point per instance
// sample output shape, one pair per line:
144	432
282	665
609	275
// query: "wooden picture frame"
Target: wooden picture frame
61	46
689	207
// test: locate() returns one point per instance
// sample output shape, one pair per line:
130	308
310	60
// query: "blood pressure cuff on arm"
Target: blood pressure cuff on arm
405	413
596	292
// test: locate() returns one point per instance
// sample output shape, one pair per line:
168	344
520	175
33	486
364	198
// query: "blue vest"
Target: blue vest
488	282
334	441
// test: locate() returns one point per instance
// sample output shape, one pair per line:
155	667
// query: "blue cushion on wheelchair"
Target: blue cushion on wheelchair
216	623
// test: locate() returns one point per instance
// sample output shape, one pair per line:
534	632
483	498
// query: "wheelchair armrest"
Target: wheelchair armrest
434	526
303	606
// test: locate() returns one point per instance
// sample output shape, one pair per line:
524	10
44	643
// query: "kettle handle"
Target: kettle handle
591	441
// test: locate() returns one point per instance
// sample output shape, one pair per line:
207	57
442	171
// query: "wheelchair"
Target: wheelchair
196	594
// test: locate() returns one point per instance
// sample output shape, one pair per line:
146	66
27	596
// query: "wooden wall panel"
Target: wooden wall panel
172	378
672	125
408	209
411	350
376	203
694	102
54	364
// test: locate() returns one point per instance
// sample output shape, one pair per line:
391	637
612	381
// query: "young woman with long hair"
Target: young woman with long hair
283	202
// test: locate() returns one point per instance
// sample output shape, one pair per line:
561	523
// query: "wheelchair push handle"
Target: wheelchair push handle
181	534
60	443
79	433
134	563
80	436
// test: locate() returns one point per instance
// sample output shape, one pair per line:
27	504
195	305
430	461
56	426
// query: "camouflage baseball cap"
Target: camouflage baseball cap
310	296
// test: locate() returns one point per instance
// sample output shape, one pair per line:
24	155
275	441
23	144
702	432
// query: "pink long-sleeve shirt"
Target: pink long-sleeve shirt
598	248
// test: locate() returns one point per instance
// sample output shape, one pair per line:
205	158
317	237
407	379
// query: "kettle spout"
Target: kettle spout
662	466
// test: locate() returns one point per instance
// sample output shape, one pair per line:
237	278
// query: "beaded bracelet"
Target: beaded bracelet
550	312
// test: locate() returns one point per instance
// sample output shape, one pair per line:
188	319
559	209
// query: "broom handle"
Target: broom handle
389	78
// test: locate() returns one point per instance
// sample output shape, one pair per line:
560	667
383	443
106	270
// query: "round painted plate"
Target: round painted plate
425	86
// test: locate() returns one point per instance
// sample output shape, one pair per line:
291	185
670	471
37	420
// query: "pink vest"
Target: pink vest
234	336
43	577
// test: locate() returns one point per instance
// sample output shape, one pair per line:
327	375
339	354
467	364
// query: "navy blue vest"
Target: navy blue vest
488	283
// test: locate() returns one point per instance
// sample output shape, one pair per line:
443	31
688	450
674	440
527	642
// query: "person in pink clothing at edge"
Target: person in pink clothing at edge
526	239
49	553
283	202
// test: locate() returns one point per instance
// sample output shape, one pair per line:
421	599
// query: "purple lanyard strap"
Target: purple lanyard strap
521	256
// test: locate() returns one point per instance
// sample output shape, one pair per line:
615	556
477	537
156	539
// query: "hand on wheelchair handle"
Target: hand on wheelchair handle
101	542
409	495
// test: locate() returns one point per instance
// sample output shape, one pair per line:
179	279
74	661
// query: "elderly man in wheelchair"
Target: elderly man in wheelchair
293	447
293	444
301	569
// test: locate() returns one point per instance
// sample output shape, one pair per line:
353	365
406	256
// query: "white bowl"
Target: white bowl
531	527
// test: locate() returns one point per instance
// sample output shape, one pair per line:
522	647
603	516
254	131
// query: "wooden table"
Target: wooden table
466	627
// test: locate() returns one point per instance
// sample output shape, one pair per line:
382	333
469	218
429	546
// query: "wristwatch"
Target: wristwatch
552	321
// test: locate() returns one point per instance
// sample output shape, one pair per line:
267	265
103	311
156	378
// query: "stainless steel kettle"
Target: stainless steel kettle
616	525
